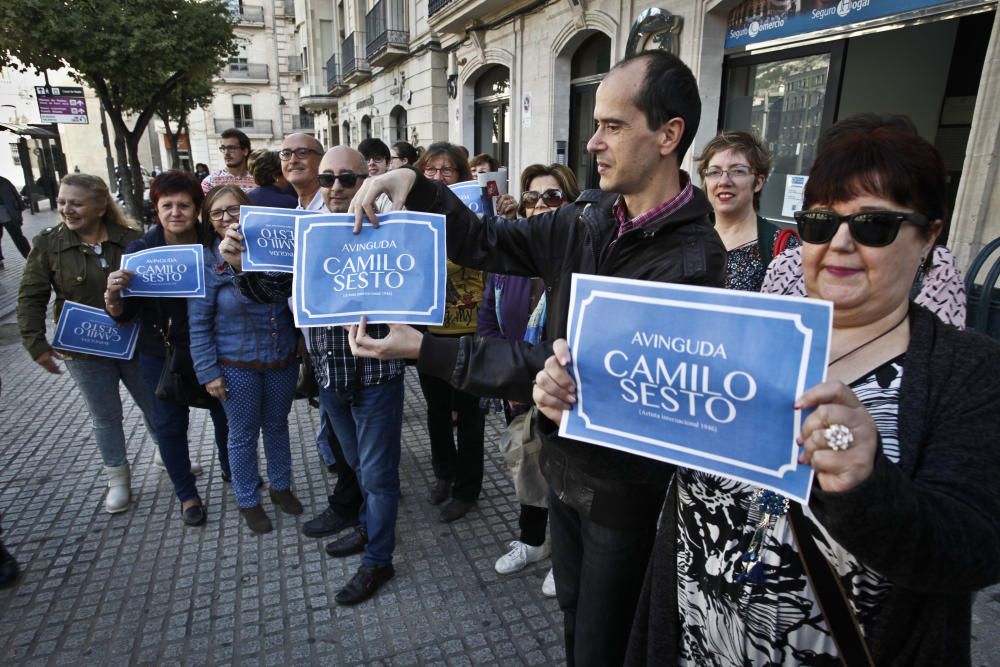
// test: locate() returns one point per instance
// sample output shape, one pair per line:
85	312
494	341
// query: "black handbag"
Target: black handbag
178	382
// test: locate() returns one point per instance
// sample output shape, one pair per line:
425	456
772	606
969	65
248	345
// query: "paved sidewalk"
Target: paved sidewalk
139	588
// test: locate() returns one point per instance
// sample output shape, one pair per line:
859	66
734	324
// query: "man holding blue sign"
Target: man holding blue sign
362	397
648	223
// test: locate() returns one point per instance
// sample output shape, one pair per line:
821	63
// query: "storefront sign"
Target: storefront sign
268	237
753	22
61	104
395	273
701	377
92	331
173	271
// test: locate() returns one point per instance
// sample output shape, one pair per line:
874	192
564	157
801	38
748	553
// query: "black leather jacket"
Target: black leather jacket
611	487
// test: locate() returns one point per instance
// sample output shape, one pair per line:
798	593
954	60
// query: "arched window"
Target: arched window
397	124
591	62
366	127
345	136
493	113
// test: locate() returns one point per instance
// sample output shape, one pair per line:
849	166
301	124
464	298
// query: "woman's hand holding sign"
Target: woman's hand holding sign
554	389
839	439
231	248
396	184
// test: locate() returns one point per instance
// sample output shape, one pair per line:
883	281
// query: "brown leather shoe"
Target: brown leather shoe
286	500
256	519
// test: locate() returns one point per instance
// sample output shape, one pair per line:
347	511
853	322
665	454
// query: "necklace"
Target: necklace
871	340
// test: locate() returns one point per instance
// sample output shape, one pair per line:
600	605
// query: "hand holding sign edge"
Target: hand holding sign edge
554	389
395	184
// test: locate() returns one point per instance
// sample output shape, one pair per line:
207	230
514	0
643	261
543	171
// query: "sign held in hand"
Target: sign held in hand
701	377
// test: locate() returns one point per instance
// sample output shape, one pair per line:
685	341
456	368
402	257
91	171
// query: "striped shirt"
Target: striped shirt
223	177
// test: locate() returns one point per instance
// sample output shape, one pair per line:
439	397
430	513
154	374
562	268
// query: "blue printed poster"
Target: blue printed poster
172	270
92	331
268	237
393	273
471	194
705	378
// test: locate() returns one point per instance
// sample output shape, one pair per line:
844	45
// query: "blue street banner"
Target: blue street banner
92	331
395	273
701	377
268	237
753	22
171	271
471	194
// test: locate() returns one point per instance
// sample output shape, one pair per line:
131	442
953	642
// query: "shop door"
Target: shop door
787	101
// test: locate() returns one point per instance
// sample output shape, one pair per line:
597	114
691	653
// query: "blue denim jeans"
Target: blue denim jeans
368	425
170	423
257	403
98	381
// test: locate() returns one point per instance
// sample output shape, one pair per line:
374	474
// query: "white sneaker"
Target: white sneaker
519	556
158	461
549	585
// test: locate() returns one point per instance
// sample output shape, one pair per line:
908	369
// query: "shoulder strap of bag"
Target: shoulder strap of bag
830	594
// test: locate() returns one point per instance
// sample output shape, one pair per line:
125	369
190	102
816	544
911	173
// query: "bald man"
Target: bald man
363	398
300	157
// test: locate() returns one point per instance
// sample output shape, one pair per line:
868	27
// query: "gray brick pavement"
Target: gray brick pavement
141	589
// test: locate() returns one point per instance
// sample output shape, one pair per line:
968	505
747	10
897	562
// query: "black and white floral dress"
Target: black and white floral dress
727	620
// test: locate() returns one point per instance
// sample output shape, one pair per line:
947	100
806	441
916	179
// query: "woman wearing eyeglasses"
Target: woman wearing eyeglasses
905	504
734	167
74	259
245	354
514	308
177	198
458	467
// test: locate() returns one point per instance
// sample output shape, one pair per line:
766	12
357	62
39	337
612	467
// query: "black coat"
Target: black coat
11	200
929	524
679	248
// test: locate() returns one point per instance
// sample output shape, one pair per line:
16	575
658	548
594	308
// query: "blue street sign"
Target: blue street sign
173	271
268	237
701	377
92	331
395	273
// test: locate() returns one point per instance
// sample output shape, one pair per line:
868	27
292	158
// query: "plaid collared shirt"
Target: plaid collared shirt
328	347
669	207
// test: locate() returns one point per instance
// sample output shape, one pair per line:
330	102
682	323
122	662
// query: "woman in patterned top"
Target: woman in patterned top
905	505
733	168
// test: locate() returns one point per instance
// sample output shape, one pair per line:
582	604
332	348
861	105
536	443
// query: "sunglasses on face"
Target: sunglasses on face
219	213
552	198
302	153
874	229
347	180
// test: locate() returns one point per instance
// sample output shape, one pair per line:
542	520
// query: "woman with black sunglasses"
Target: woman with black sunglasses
514	308
903	514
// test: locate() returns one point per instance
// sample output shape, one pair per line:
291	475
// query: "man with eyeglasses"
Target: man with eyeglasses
300	156
363	398
235	149
376	155
647	222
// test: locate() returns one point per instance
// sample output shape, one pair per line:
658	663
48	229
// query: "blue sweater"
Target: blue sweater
226	326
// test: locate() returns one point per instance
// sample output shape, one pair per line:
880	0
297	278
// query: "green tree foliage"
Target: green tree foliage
133	53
